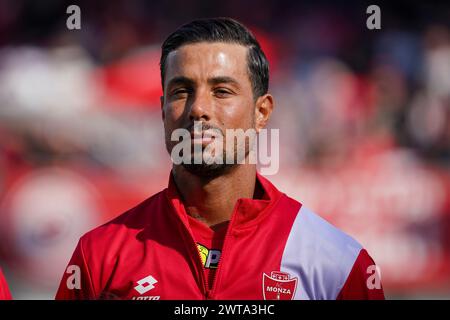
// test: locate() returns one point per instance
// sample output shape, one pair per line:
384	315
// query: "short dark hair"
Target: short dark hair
221	30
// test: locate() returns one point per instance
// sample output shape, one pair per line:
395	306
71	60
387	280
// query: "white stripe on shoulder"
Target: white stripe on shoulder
319	255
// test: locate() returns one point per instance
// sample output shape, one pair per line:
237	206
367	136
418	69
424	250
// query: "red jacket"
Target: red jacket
4	291
274	248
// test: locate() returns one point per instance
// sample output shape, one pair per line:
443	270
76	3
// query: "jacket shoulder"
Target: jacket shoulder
126	224
324	235
320	254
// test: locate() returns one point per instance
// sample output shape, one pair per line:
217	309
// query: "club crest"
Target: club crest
279	286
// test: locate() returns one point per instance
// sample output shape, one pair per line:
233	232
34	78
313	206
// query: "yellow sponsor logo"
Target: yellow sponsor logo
210	257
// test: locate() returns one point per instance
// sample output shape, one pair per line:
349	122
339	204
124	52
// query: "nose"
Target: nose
200	109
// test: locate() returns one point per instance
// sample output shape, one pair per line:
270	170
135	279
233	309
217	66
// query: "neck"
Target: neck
212	200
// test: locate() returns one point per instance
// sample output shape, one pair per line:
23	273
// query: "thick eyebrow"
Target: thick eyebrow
223	79
180	80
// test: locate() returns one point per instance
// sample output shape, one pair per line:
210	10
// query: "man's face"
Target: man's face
207	82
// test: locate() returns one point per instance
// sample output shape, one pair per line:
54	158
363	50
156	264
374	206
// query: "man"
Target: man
220	230
4	291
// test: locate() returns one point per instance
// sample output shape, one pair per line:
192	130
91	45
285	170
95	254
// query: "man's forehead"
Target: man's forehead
207	57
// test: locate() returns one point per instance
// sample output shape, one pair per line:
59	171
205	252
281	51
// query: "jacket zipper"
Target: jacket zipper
210	293
197	260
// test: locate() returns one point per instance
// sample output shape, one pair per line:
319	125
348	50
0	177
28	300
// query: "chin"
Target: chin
208	170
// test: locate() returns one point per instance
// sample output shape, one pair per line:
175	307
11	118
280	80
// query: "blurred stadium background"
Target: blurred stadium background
364	118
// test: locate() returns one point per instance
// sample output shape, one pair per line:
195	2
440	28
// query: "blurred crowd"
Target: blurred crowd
364	119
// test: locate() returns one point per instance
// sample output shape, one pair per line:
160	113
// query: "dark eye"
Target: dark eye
222	92
180	93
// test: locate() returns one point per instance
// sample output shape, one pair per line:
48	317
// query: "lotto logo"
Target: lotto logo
146	284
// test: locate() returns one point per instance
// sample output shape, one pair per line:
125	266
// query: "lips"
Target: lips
204	137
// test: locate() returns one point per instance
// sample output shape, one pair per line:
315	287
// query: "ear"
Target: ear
161	100
263	110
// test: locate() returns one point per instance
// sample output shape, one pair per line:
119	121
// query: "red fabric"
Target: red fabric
356	288
150	252
212	240
4	291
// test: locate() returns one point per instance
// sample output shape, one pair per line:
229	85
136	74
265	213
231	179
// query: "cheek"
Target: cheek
173	111
170	120
172	116
240	115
